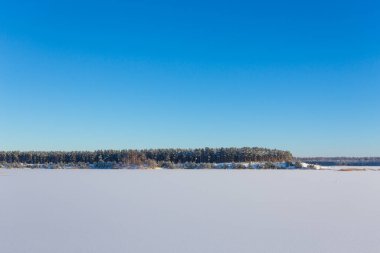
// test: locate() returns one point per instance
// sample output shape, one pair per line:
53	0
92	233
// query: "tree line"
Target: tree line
340	161
201	155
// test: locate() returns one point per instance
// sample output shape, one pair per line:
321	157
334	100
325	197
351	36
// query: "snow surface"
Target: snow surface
60	211
345	167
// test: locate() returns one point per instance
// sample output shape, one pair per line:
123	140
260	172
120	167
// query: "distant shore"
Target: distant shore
166	165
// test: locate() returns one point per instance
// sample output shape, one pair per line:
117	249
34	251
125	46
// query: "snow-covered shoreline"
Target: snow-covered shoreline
234	165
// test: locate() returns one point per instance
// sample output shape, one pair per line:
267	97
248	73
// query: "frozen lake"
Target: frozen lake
118	211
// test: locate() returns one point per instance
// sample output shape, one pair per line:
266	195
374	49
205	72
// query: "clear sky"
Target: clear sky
297	75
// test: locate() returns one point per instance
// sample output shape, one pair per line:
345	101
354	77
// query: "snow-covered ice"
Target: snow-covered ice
118	211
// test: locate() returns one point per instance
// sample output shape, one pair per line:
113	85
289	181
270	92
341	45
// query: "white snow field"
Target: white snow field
237	211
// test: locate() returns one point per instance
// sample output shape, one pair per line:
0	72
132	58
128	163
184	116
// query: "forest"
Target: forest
146	156
340	161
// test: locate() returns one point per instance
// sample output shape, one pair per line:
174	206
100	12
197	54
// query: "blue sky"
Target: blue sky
297	75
